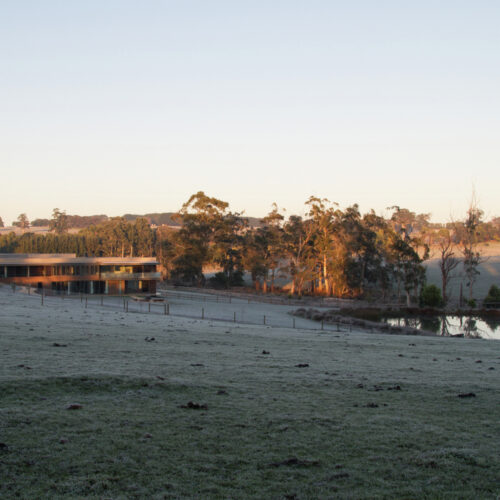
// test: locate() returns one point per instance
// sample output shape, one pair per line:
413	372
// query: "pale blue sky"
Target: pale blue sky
132	106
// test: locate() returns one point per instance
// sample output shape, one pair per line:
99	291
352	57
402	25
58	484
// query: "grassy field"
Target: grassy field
370	416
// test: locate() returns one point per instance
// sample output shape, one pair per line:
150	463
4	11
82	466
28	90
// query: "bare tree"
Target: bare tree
472	257
447	261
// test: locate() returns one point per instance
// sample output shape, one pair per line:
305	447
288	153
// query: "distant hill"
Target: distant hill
157	219
74	221
165	218
40	222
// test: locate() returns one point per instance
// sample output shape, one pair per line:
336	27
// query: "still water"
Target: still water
446	325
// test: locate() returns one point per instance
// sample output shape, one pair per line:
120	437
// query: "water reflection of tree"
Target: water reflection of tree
411	322
470	327
430	323
445	326
491	323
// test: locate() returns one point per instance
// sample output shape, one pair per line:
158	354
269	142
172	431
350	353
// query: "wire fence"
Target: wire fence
163	306
230	296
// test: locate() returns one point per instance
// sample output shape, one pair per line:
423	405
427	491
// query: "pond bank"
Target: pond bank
484	323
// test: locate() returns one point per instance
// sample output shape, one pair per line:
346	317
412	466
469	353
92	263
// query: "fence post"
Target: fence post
202	313
264	319
234	317
168	309
322	324
149	307
126	306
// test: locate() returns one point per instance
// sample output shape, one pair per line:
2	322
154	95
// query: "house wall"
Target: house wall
80	275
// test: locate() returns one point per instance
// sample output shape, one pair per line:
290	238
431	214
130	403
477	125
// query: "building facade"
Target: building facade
67	273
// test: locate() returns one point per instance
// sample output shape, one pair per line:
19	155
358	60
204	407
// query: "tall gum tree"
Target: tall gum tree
322	217
208	234
272	235
297	237
407	253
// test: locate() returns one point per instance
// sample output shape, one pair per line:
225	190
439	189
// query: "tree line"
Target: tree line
331	251
486	230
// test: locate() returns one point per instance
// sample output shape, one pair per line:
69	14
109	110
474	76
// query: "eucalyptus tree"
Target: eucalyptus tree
409	271
297	238
379	270
142	237
110	238
22	222
164	248
366	237
271	236
92	242
406	253
119	236
59	221
8	242
254	257
204	232
228	246
471	256
326	251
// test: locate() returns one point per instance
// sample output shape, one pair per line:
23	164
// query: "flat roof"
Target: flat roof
47	259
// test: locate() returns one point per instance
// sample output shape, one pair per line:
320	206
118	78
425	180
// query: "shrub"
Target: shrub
493	297
430	296
237	279
221	280
471	303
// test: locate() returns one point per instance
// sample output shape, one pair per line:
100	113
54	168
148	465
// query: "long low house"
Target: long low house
65	272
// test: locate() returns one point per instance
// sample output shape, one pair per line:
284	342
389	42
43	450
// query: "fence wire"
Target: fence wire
183	305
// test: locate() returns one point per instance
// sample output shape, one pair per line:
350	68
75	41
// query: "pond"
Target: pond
447	325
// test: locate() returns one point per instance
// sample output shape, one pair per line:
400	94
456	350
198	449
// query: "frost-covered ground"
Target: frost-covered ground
290	413
236	308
